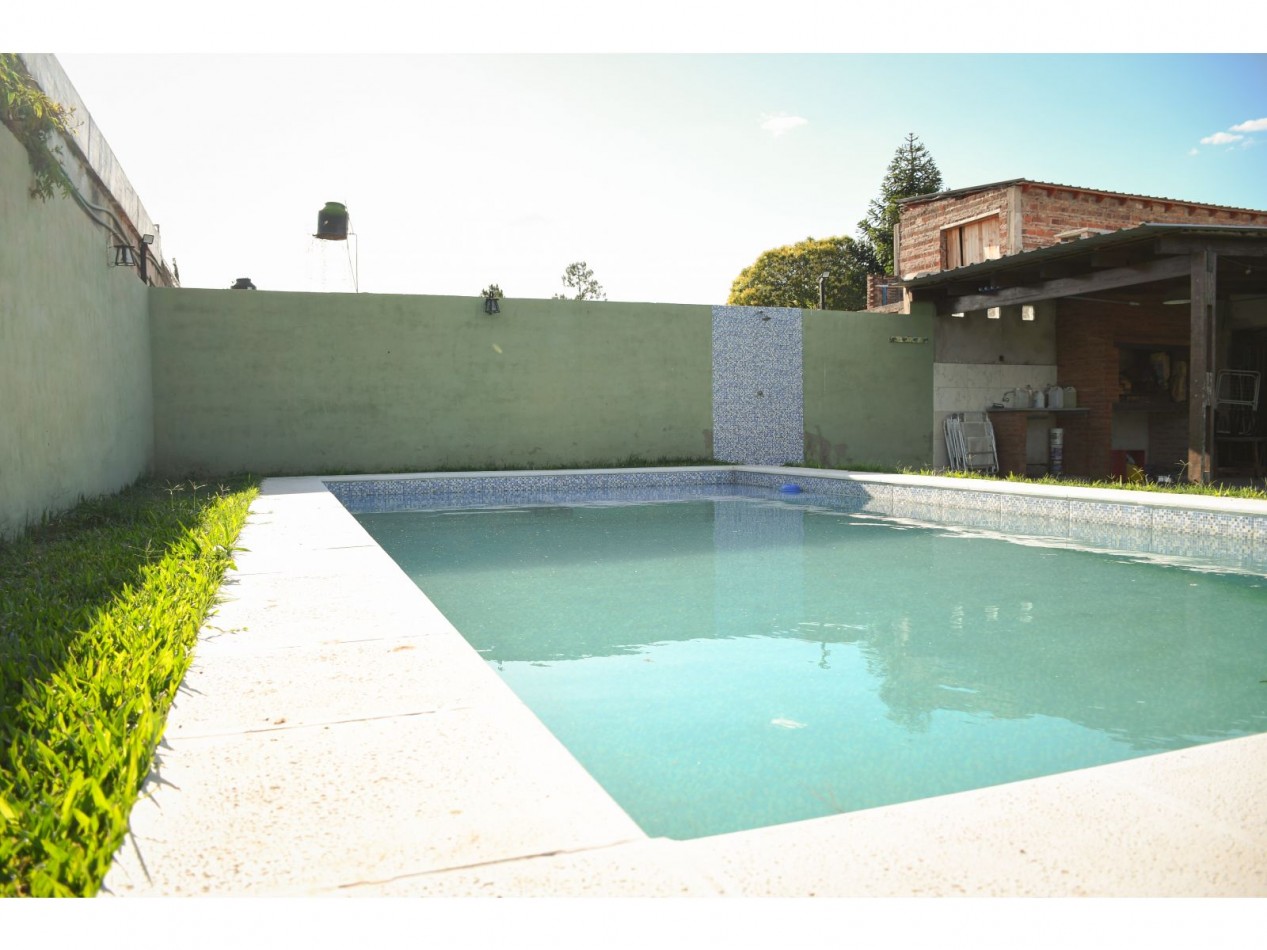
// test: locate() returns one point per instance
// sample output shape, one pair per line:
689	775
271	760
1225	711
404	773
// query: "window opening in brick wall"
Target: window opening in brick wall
970	242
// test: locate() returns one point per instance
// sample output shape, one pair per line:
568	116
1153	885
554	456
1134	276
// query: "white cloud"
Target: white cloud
1221	138
776	125
1253	125
1194	151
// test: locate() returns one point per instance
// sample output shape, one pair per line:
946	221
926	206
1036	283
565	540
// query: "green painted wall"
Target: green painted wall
277	382
76	416
868	400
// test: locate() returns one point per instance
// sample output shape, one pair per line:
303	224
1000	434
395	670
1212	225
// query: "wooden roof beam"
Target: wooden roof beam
1117	257
1056	269
1161	269
1009	281
1230	247
1203	362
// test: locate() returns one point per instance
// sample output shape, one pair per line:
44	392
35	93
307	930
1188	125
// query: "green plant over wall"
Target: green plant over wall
492	290
34	119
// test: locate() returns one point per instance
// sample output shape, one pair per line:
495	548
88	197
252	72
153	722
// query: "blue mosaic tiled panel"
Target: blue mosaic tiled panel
758	402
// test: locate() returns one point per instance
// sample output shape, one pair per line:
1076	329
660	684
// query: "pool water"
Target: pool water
734	662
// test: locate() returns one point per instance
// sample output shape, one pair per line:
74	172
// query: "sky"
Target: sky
667	166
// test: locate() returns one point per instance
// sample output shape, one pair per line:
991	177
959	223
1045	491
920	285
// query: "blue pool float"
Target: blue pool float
790	489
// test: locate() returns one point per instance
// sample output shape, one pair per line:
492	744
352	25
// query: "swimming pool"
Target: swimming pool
822	685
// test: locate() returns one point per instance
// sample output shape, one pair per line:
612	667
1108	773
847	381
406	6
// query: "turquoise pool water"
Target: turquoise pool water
734	662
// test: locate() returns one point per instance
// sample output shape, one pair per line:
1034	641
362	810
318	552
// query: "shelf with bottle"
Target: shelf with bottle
1050	398
1037	412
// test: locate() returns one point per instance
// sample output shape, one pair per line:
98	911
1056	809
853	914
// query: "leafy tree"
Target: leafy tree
492	290
580	278
911	172
788	276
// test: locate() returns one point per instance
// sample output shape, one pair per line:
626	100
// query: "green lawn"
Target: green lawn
99	610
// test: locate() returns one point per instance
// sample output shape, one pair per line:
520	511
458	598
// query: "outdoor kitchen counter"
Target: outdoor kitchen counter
1021	453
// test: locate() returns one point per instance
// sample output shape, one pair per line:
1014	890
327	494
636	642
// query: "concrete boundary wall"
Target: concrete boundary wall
289	383
868	389
75	388
87	156
292	383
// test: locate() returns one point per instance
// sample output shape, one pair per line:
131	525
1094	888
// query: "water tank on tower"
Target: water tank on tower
332	254
332	222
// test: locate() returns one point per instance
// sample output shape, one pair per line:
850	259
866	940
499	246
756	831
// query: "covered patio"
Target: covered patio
1160	329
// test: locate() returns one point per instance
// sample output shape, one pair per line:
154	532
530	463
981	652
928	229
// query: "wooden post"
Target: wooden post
1201	366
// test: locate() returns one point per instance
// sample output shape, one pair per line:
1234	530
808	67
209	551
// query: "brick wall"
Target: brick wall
1045	211
1168	441
1087	359
921	224
1048	211
1010	432
883	295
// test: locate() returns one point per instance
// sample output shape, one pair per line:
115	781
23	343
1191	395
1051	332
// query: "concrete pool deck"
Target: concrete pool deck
336	736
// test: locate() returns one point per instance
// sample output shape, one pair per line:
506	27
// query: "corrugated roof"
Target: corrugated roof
1081	246
1051	184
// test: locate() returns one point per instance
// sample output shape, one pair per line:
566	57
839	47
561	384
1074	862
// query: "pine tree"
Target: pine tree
911	172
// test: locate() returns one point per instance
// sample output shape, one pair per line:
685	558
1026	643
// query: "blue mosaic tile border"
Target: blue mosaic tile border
1179	521
616	496
409	488
758	401
917	503
1240	552
837	489
1226	537
983	519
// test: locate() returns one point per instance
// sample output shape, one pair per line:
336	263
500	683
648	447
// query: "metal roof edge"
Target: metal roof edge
1121	236
955	192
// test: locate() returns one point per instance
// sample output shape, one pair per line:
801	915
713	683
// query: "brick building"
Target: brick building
1145	306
